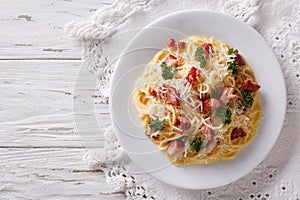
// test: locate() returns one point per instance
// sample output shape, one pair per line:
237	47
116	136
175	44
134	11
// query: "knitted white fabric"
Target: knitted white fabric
278	176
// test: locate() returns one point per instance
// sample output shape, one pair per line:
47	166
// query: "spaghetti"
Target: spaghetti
198	101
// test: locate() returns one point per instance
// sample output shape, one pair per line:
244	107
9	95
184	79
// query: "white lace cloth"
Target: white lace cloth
278	176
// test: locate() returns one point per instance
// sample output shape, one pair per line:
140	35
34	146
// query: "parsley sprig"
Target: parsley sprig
233	51
233	66
157	125
168	72
200	56
247	99
224	114
197	145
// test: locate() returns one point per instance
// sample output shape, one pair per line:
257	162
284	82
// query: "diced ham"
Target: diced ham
181	45
194	102
247	111
227	95
212	146
174	45
171	43
192	76
171	60
250	86
211	104
208	49
175	147
172	96
155	90
182	124
237	132
240	60
208	132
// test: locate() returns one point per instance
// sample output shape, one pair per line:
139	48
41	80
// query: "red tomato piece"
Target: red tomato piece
192	75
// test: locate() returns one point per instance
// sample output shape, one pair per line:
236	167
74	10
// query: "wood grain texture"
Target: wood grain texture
40	149
49	174
32	29
37	109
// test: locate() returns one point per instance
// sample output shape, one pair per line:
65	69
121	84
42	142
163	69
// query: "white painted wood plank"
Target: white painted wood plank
49	174
32	29
36	104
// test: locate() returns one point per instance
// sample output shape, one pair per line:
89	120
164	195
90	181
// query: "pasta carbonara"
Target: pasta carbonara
198	101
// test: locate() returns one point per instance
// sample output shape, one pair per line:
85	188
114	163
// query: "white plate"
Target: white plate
139	52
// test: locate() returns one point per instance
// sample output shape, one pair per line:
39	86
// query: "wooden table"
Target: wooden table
41	153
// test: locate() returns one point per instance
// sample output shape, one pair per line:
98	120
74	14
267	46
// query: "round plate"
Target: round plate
140	51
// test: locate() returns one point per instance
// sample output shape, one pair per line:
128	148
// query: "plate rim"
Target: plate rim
215	13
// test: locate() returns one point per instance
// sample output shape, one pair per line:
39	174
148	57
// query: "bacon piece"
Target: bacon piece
192	75
171	43
174	45
237	132
239	59
172	96
181	45
250	86
175	147
171	61
211	104
208	49
182	124
194	103
227	95
212	146
247	111
208	132
155	90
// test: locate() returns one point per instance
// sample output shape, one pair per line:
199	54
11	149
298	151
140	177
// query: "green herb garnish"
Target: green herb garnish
200	56
247	99
233	66
168	72
157	125
197	145
224	114
232	51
